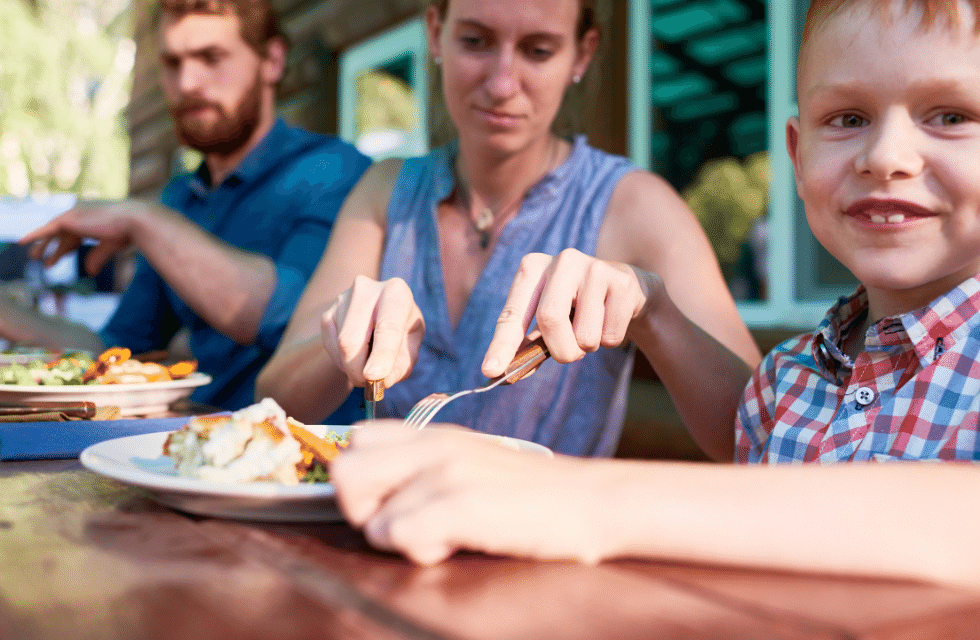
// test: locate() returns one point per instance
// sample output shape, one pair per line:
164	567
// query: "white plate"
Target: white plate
132	399
139	461
27	356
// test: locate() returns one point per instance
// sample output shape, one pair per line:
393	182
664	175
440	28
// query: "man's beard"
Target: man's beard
229	133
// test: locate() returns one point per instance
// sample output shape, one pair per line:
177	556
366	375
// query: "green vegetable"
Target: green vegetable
317	473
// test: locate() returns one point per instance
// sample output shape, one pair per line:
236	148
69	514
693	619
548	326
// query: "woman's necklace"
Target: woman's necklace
488	214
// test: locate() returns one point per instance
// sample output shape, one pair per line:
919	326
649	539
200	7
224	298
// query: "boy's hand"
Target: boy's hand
428	493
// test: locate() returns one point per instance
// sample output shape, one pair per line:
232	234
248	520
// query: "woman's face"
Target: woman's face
506	65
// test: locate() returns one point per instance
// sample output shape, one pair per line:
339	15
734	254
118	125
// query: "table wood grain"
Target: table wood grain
83	557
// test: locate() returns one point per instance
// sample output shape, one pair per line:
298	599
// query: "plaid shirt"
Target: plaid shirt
913	393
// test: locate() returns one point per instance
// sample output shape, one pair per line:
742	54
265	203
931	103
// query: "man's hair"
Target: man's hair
587	16
821	11
258	18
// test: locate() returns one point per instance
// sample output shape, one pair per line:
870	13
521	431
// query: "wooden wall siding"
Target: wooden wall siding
320	30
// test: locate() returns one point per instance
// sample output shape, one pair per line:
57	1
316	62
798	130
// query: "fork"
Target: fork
527	359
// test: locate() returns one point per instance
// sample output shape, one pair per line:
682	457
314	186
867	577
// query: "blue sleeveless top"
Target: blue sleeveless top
574	408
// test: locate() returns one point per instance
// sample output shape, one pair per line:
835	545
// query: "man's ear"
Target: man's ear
274	62
793	147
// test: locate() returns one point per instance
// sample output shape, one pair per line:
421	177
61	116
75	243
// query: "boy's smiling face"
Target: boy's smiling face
886	150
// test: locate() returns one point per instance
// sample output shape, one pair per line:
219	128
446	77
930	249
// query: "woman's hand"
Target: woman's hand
580	303
429	493
373	331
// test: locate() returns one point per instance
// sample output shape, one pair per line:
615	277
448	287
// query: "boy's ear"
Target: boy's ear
793	147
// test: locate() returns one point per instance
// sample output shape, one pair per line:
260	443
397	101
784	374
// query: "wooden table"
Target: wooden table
86	557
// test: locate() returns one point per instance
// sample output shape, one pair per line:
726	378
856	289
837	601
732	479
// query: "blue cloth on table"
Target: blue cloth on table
58	440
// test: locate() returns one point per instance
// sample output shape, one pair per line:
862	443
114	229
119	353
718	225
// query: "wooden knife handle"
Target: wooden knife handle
534	350
374	390
76	409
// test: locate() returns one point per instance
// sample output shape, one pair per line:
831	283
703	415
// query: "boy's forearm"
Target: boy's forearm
900	520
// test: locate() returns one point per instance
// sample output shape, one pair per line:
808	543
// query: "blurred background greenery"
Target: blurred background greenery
65	77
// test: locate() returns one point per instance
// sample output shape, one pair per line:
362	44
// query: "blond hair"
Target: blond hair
821	11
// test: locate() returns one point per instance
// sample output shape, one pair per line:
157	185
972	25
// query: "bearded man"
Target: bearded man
226	252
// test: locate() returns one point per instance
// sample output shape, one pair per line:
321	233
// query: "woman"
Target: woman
424	251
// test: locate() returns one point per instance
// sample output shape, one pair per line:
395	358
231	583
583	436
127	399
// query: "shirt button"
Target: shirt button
864	396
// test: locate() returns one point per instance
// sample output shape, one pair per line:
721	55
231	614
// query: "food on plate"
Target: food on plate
117	366
65	370
112	366
258	442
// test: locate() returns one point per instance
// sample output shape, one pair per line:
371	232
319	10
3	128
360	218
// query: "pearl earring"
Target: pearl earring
576	78
437	60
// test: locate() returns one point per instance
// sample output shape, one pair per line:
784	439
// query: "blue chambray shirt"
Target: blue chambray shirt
280	202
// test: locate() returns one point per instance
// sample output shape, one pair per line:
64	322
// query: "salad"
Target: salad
112	366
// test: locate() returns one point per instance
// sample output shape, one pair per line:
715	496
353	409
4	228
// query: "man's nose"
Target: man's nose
891	148
190	78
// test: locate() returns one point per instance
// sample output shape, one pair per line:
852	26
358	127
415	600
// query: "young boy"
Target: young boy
886	152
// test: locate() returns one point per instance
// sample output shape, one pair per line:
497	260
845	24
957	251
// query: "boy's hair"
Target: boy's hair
258	18
822	10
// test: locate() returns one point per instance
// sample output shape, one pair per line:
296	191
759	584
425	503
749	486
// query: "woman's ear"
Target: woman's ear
433	27
586	51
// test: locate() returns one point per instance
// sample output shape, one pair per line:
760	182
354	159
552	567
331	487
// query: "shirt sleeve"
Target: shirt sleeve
755	412
144	319
322	183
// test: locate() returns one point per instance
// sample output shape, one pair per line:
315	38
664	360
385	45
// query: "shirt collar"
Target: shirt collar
550	185
277	144
931	330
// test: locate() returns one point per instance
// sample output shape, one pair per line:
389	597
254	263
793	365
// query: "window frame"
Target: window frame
789	242
407	38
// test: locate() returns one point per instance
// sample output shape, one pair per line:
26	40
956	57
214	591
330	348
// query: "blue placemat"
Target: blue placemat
54	440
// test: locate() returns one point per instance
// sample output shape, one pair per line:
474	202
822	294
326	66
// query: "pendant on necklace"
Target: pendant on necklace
483	223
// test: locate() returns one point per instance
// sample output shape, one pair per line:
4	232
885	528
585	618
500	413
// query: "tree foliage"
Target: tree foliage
65	77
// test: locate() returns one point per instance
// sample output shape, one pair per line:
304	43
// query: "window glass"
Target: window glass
710	127
383	93
708	77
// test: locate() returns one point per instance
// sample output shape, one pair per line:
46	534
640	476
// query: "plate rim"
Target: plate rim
196	379
165	483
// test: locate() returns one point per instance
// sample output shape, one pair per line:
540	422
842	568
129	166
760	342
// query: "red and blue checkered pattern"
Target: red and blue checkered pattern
912	394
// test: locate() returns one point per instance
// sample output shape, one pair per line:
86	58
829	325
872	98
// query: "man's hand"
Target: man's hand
112	224
580	303
373	331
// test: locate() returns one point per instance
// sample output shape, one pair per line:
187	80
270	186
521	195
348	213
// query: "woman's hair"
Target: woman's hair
587	18
821	11
258	18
